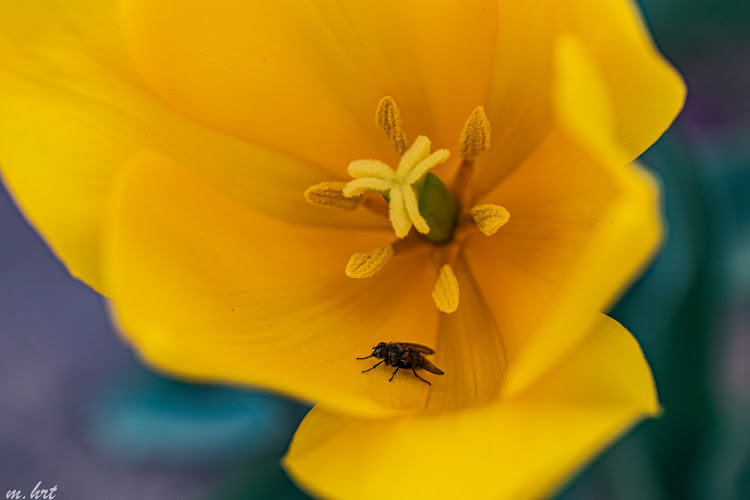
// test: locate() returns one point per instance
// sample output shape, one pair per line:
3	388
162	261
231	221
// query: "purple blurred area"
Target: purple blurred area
57	353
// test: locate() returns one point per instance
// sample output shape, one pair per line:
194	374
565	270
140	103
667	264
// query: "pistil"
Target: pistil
402	187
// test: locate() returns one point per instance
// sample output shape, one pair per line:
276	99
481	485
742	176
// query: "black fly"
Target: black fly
404	355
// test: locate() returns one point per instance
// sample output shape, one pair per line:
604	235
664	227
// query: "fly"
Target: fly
404	355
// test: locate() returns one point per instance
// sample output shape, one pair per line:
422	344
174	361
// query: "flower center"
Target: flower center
417	198
410	193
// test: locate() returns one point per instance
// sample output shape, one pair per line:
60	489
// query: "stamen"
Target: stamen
489	218
365	265
331	194
412	196
445	293
388	119
475	137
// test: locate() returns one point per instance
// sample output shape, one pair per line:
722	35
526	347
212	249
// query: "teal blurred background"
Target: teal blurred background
80	412
691	311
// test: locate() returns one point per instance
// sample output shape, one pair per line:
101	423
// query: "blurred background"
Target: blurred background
78	411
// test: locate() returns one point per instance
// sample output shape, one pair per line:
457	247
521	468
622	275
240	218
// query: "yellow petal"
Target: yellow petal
214	291
583	103
72	112
38	131
584	223
305	78
645	91
469	350
523	447
73	23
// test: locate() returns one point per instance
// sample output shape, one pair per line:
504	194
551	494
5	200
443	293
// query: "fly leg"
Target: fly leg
366	357
364	371
420	378
394	374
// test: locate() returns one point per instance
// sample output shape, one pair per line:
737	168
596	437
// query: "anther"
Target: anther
365	265
445	293
475	136
388	119
331	194
489	218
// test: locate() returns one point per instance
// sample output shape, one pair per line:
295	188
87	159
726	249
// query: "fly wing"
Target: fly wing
422	349
425	363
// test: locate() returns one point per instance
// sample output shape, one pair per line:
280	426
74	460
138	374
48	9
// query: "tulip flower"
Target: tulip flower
266	190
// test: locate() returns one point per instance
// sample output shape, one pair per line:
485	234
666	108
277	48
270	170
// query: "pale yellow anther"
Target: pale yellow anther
388	119
445	293
331	194
489	218
364	265
475	137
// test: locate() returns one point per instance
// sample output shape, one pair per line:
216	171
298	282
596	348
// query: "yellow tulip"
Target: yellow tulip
191	161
